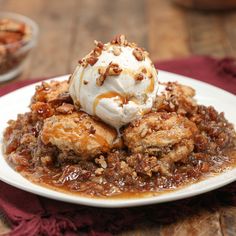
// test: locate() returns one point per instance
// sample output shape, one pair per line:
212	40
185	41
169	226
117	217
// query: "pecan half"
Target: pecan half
101	161
120	39
91	60
113	69
139	77
100	80
65	108
92	130
144	70
99	44
101	70
139	54
83	62
116	50
96	52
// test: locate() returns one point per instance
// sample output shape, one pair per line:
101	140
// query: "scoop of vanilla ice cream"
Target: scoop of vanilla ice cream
116	82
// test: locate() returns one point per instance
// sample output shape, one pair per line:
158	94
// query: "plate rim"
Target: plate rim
118	202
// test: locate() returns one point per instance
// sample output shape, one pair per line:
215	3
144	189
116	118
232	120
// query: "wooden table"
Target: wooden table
67	31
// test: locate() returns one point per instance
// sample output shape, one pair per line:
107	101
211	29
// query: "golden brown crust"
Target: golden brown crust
80	133
48	92
176	97
167	135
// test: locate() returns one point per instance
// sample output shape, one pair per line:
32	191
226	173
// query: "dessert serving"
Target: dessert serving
114	130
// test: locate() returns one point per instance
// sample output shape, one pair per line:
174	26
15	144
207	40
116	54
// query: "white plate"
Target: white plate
18	101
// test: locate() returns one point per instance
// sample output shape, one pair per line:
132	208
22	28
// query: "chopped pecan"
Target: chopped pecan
139	54
120	39
92	130
99	171
139	77
132	45
101	161
100	80
144	132
99	44
116	50
101	70
91	60
83	62
113	69
60	99
65	108
46	160
41	110
96	52
144	70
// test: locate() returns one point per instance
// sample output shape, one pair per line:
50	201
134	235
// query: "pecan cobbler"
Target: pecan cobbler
113	129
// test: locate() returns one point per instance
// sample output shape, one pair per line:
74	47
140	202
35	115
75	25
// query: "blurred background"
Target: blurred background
166	28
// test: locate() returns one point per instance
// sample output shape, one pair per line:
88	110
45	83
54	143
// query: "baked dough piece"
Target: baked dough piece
166	135
80	133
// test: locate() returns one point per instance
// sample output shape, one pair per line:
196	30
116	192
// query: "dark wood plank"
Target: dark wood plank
144	229
55	19
167	30
228	220
4	228
204	223
207	33
230	31
56	35
103	19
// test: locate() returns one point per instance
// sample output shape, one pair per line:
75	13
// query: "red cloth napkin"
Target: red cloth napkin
221	73
30	215
19	84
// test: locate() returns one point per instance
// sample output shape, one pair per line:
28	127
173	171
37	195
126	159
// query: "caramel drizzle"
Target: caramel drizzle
81	79
110	94
151	86
96	137
84	138
101	140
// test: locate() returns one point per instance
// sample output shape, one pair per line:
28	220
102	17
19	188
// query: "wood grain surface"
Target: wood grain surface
67	31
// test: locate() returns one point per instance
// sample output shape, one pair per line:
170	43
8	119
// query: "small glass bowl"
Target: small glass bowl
13	54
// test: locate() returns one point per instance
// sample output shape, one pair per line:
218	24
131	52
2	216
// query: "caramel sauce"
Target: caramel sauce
46	181
110	94
102	141
81	79
151	86
84	137
84	141
148	73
